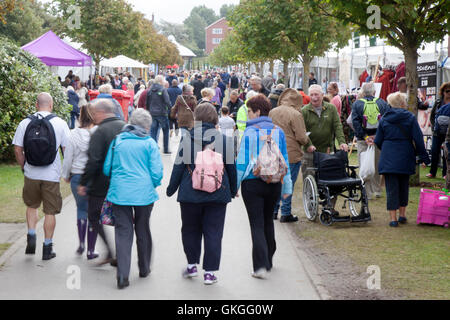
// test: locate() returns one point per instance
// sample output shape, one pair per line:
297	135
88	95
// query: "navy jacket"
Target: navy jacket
180	175
358	113
158	101
73	100
397	151
174	92
443	111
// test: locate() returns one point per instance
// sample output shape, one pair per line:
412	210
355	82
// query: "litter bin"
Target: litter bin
93	94
124	99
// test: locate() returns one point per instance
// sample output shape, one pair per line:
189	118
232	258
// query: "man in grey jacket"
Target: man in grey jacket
93	182
158	103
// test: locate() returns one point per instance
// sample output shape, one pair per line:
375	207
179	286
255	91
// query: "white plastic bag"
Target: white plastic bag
367	163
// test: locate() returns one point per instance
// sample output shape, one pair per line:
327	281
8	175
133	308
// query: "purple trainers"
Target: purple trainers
210	279
190	272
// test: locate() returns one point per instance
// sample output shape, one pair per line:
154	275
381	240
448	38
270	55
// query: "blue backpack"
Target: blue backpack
442	120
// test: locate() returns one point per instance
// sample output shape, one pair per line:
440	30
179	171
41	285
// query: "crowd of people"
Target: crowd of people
228	117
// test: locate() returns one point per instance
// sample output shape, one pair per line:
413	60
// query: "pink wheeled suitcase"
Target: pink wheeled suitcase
434	208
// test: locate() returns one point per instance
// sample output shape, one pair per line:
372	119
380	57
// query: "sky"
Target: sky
174	11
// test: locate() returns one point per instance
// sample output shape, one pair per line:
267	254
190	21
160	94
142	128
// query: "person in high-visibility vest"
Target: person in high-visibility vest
242	115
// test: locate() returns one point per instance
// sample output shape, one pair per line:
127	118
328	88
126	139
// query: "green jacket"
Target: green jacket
242	118
324	130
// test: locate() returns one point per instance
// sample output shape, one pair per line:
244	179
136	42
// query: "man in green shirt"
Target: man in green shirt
323	123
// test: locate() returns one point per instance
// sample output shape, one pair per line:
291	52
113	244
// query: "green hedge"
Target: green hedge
22	78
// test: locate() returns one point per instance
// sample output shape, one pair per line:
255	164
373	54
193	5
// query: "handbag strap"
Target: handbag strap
185	103
112	156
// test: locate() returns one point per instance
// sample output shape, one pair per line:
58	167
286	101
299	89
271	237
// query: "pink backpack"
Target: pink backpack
270	165
208	173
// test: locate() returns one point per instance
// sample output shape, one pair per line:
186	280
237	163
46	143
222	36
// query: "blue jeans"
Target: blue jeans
163	123
286	207
81	201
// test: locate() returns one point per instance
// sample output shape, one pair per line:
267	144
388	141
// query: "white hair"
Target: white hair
142	118
104	105
315	87
106	88
256	79
70	88
368	89
397	100
160	79
251	94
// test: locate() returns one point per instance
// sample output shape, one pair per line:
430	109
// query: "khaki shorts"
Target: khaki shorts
47	192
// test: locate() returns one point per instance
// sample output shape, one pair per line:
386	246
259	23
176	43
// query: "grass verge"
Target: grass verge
414	259
4	247
13	209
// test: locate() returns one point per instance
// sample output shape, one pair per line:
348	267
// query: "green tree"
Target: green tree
27	21
107	27
405	24
181	34
226	9
286	30
6	6
199	18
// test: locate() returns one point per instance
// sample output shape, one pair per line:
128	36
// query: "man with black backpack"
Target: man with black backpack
36	145
158	103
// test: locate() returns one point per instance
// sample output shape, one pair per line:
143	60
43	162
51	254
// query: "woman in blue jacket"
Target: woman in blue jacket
203	213
73	99
135	167
400	139
260	197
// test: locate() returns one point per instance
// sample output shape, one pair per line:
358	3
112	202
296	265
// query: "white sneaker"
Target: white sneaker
260	274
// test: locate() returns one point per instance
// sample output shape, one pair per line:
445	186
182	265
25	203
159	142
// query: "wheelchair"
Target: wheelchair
331	177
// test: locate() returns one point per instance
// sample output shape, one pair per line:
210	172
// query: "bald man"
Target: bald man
41	165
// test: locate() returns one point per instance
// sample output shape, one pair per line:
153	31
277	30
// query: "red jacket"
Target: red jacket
142	103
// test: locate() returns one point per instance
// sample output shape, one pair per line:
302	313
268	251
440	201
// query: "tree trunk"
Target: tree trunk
271	66
412	81
305	74
286	73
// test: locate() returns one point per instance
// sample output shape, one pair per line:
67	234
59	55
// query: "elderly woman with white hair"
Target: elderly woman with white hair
134	165
400	140
106	93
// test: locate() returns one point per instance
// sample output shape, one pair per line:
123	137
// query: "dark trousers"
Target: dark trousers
124	237
260	199
163	123
436	155
397	190
203	220
94	209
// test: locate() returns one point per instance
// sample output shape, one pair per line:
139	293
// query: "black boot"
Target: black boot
47	252
82	226
122	282
31	244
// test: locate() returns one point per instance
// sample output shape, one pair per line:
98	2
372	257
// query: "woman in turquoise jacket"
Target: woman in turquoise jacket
135	167
260	197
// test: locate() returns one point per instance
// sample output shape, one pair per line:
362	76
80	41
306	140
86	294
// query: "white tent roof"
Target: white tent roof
184	52
122	62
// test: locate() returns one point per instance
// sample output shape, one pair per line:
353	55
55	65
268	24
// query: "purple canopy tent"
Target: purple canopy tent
52	51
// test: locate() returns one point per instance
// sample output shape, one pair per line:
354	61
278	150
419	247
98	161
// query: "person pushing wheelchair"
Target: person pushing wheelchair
323	123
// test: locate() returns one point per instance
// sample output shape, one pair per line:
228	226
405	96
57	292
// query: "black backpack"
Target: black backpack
39	142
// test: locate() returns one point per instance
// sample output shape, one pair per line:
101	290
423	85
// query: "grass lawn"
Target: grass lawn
414	259
13	209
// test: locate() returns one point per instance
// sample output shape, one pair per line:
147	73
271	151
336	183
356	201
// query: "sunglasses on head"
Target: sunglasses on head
447	91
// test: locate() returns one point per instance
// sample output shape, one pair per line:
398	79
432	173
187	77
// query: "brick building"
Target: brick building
215	33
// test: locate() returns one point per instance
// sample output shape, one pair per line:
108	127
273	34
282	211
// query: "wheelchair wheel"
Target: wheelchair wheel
310	198
326	218
355	207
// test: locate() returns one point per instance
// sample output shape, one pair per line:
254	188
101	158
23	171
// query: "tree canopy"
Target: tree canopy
111	27
27	21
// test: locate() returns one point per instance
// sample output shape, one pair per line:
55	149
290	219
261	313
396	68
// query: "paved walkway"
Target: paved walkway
28	277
